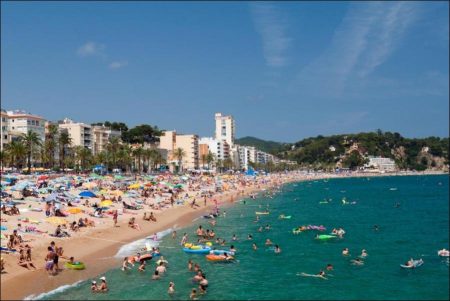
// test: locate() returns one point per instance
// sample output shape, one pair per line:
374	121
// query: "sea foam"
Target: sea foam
55	291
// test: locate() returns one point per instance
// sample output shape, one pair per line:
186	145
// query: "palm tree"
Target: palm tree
30	139
179	153
124	157
2	159
209	159
113	148
50	144
83	156
16	151
228	163
219	164
101	158
137	154
64	141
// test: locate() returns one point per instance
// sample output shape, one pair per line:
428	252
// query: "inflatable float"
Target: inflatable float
213	257
325	237
443	253
284	216
416	263
261	213
197	249
221	252
77	265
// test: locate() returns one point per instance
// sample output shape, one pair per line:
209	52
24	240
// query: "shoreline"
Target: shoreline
104	243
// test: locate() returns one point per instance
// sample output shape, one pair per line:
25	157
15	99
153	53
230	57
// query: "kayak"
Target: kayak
200	250
416	263
77	265
221	252
212	257
261	213
325	237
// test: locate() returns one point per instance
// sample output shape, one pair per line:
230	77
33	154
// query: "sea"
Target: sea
411	213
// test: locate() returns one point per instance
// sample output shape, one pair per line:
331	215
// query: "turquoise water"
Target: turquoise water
418	229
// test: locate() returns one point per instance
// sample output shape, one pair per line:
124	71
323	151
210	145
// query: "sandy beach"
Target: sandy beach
97	246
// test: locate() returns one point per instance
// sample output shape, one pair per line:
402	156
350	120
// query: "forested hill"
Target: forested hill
271	147
415	153
350	150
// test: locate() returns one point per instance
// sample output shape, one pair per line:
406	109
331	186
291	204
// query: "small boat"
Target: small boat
262	213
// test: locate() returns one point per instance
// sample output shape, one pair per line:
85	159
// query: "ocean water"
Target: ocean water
418	229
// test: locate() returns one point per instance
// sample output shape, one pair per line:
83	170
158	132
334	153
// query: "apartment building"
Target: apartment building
101	136
80	133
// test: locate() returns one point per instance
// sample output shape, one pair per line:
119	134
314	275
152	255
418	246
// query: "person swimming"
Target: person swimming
345	252
268	242
277	249
363	253
357	261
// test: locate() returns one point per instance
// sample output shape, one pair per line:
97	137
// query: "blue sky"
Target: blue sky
284	70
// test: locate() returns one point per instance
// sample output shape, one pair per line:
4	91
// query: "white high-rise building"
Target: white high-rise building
225	128
219	148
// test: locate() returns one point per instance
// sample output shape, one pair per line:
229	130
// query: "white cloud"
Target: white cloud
118	64
91	49
270	25
369	33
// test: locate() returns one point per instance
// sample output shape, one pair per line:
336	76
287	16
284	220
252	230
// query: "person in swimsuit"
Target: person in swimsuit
156	275
193	295
49	265
125	264
171	289
203	284
103	286
94	287
345	252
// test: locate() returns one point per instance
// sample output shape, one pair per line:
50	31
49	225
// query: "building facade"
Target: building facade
225	129
381	163
16	123
80	133
219	148
189	143
101	137
170	141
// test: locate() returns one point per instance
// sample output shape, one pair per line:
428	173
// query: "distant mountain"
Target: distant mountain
271	147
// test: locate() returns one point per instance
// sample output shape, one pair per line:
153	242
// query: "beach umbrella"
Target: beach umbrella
134	186
42	177
116	192
179	186
75	210
87	193
106	203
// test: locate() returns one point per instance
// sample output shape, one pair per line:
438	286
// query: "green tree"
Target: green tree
83	157
50	145
16	152
210	159
113	148
227	163
137	155
354	160
179	153
31	141
64	141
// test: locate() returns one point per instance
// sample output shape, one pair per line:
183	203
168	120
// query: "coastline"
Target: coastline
104	243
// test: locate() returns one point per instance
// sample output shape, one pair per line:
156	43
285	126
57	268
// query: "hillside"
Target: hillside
349	150
271	147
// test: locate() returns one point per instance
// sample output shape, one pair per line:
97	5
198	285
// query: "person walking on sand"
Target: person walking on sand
115	216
